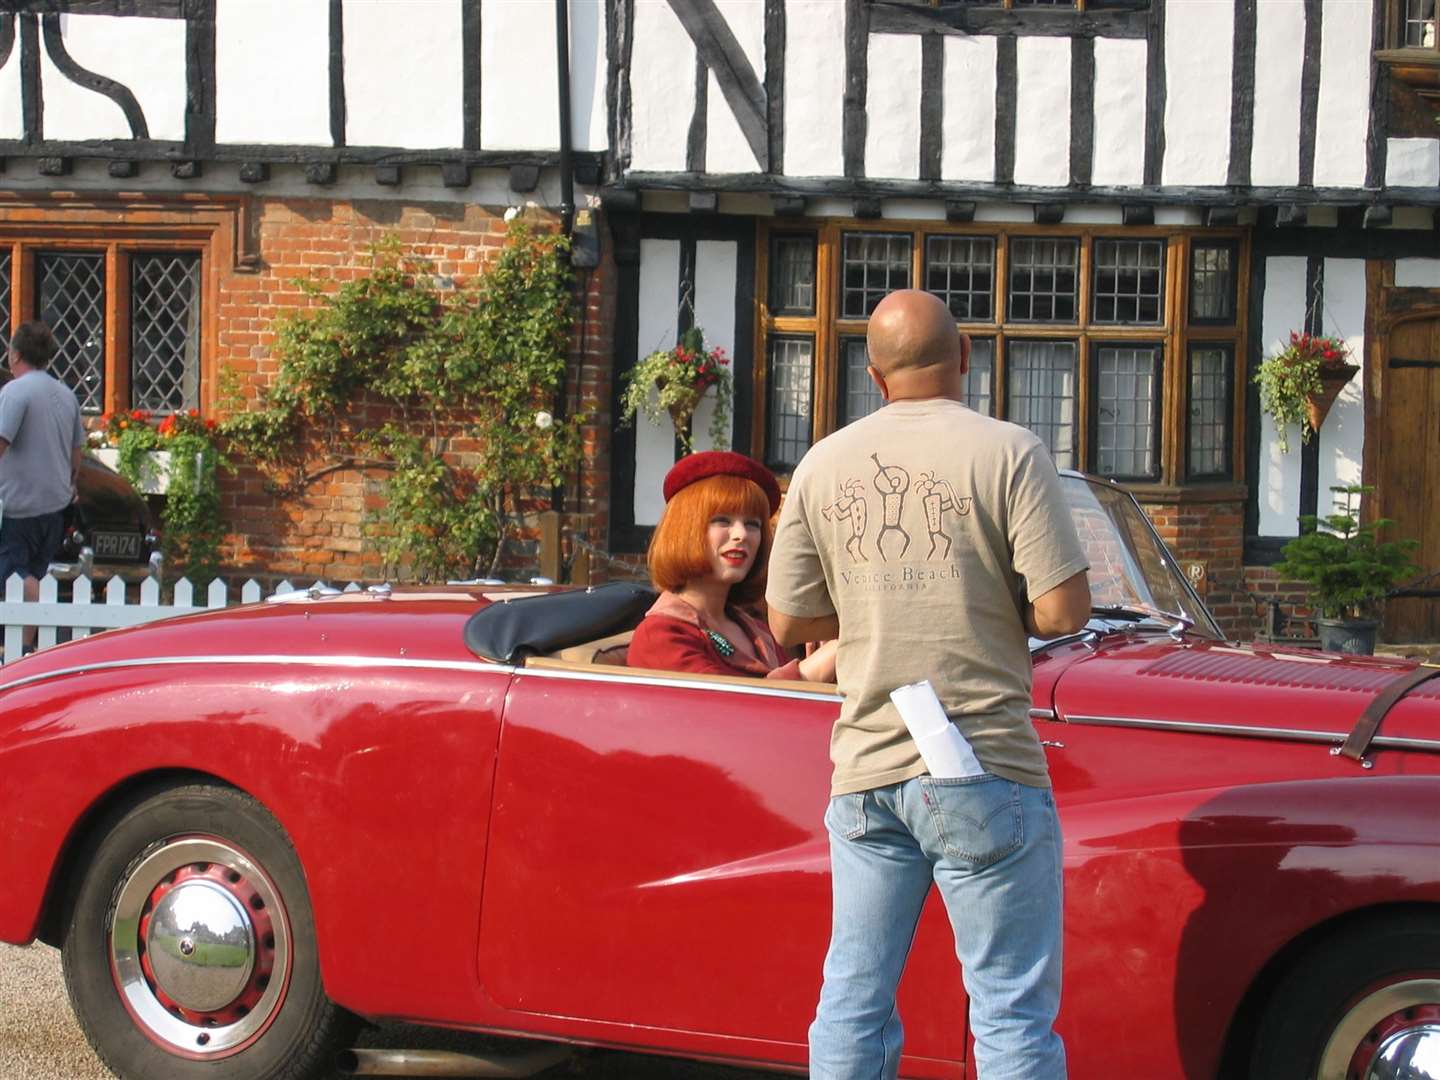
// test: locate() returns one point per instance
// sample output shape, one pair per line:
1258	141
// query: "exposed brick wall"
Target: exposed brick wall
320	534
1212	533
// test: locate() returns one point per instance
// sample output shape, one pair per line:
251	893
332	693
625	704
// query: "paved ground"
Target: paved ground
39	1039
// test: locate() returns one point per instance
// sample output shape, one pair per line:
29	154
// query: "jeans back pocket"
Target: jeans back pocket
845	816
979	819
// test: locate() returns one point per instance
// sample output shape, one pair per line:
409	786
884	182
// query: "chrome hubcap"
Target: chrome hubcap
200	947
1389	1034
1411	1054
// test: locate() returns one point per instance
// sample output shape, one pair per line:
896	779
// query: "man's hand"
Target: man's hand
1062	610
790	630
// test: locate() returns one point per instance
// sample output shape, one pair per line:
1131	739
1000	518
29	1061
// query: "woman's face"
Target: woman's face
732	541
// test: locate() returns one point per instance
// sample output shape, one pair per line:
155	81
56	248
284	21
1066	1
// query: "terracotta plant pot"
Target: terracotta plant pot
1333	379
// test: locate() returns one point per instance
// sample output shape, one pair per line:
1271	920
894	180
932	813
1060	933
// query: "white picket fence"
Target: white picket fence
85	611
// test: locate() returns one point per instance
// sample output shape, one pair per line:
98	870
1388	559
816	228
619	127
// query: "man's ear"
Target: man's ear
879	381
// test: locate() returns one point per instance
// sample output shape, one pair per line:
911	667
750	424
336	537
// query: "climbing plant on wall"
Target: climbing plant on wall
447	393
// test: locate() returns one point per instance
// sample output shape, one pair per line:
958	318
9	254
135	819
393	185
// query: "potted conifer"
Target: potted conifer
1349	569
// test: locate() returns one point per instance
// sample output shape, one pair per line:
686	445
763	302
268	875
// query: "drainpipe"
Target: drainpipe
567	187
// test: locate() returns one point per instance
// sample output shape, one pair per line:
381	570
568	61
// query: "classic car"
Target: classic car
109	528
452	806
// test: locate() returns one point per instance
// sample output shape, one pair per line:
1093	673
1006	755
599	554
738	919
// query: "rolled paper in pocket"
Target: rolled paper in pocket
944	750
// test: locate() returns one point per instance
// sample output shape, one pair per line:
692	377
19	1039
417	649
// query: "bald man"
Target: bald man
1003	561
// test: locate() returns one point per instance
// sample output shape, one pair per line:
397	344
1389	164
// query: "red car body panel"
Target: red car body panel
603	857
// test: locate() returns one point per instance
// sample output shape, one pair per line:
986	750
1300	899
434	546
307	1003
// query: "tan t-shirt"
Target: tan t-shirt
925	527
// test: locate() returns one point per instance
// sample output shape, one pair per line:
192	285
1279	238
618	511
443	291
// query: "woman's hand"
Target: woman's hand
819	663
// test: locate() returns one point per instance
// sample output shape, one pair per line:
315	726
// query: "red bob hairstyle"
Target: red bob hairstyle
677	549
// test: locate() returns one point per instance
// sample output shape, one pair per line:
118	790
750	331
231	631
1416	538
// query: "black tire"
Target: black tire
1348	997
153	996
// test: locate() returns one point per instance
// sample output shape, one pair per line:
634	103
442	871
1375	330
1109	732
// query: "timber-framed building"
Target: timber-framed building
1126	203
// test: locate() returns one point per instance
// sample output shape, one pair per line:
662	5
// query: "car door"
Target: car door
658	858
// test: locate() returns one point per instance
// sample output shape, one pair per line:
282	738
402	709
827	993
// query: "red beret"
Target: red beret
721	463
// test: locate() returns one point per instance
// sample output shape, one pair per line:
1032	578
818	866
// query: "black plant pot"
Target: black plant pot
1348	635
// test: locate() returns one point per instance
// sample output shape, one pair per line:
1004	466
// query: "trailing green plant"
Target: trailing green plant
192	525
447	392
1290	378
668	385
1348	567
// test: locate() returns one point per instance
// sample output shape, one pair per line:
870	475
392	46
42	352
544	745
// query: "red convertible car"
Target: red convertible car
451	806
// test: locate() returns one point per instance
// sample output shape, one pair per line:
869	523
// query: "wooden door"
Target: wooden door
1409	430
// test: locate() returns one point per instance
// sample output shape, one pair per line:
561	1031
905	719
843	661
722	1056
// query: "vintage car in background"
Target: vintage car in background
451	806
109	529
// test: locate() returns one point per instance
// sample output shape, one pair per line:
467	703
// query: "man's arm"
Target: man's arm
1062	610
75	456
791	630
4	445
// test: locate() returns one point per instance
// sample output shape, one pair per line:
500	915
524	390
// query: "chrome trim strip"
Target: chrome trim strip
1043	714
1246	731
689	684
262	658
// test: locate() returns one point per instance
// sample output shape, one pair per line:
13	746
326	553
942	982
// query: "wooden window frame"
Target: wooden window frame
1175	333
212	228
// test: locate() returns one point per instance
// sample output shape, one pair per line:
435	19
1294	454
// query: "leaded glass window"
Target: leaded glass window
1419	26
960	270
1042	394
792	274
979	385
1044	280
862	397
791	364
1212	284
872	266
5	255
1208	450
165	332
72	301
1129	281
1127	405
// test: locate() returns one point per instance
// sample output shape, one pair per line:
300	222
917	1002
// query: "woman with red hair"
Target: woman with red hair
708	558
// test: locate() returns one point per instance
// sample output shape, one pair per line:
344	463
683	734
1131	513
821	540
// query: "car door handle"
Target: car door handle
1053	742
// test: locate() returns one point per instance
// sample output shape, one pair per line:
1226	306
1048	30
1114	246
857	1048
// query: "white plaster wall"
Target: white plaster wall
12	119
146	55
1279	480
518	78
1417	273
1343	117
715	275
1119	136
588	118
1412	162
1342	436
815	76
726	150
1042	111
414	44
892	106
658	322
272	72
1199	43
662	89
1275	155
968	152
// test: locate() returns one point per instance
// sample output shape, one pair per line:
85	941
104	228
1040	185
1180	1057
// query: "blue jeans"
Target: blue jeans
993	849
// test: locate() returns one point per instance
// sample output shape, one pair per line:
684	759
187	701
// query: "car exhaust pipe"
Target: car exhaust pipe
365	1062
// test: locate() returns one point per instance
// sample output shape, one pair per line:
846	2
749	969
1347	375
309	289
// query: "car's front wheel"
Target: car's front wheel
1364	1006
190	947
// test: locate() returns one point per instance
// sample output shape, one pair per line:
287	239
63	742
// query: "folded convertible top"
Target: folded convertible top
511	630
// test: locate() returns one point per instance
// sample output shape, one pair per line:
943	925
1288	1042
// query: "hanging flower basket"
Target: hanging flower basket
1334	377
671	383
1300	383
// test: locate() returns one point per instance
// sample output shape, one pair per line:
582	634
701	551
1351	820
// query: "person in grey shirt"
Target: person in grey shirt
41	439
